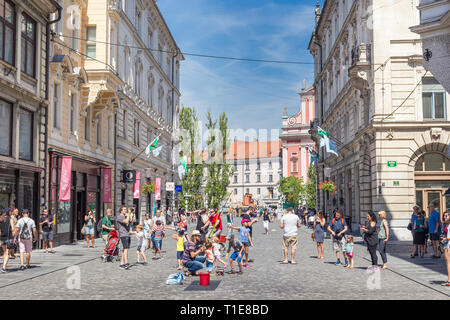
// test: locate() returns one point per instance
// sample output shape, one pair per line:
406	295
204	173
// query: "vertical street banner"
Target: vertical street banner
137	186
66	175
107	194
158	189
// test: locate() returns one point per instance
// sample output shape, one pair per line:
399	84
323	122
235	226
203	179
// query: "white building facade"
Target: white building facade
388	116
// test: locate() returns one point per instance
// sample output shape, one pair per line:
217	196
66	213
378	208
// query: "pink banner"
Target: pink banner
158	189
66	175
107	194
137	186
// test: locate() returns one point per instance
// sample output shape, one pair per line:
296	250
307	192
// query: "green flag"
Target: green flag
322	132
151	146
183	161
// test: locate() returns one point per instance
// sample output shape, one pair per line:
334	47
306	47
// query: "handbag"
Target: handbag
313	236
83	230
10	243
409	227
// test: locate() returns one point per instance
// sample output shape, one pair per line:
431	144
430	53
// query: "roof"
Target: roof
253	150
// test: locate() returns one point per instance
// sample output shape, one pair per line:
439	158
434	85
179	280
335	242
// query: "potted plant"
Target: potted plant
328	186
148	188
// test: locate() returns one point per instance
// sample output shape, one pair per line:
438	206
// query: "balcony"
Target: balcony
114	8
361	61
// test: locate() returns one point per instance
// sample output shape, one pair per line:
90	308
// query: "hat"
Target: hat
196	233
245	220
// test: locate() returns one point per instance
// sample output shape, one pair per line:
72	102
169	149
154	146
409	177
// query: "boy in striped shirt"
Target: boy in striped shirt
157	233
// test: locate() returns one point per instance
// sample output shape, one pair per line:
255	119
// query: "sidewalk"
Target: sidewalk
427	271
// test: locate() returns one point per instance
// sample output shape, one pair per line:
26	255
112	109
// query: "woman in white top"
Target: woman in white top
447	248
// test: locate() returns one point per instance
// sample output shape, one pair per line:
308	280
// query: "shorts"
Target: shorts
180	255
246	244
3	242
434	237
47	236
235	255
266	224
140	248
25	246
349	254
339	244
125	242
157	244
290	242
209	266
88	230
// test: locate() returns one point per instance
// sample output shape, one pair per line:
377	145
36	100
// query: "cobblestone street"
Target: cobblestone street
266	278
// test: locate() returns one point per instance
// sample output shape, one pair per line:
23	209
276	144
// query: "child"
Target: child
210	260
158	233
180	247
245	236
141	244
216	251
349	251
238	249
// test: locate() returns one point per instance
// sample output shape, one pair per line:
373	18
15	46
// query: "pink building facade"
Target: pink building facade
296	139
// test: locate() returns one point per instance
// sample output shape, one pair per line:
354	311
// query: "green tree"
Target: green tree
310	188
291	187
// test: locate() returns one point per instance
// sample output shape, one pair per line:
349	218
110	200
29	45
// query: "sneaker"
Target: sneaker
145	263
346	263
122	266
22	268
246	265
338	262
3	270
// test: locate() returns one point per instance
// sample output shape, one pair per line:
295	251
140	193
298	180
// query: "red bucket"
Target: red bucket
223	239
204	278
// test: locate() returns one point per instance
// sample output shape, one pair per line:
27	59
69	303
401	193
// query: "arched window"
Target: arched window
433	162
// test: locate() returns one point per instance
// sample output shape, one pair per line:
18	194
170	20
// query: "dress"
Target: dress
319	232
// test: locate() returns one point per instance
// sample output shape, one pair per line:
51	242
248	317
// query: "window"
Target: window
235	179
7	31
87	125
124	124
247	178
433	162
258	178
90	43
433	99
270	164
294	166
137	126
258	191
56	102
5	127
110	131
247	165
247	190
99	129
25	135
28	45
258	165
235	192
73	113
270	178
74	27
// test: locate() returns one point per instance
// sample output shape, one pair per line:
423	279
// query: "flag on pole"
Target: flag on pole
151	146
181	171
322	132
332	147
157	151
183	161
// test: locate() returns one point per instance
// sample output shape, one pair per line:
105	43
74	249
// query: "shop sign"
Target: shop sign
392	164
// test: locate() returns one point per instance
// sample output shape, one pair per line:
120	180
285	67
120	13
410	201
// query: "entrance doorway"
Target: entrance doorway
78	215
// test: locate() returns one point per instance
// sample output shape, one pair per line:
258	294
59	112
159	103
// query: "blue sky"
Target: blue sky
252	94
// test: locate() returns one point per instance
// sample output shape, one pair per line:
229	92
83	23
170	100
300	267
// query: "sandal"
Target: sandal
446	284
284	262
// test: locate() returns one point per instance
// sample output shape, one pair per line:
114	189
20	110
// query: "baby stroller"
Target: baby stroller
111	253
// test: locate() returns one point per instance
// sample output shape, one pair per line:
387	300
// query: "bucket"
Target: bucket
223	239
204	278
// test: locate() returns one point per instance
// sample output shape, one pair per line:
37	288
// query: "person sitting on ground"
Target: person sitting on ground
238	252
192	260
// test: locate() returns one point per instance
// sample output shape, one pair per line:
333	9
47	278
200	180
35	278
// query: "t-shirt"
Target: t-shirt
236	245
188	248
29	223
46	227
266	216
433	220
124	229
243	234
290	222
413	218
213	220
89	222
157	232
216	249
106	222
338	226
140	238
180	244
209	255
349	247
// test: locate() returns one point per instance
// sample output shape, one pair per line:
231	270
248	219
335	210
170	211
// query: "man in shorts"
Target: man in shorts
338	228
46	223
123	222
26	235
290	223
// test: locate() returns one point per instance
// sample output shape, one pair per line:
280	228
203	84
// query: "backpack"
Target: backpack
25	232
342	221
100	225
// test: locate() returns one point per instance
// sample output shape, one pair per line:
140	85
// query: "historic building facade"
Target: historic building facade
296	139
24	101
387	115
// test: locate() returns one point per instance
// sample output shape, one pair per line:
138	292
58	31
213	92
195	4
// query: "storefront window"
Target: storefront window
5	128
25	135
63	218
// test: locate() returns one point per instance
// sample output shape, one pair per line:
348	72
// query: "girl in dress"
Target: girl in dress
349	252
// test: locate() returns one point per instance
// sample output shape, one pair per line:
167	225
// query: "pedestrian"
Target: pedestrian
46	223
6	236
140	250
370	236
147	228
266	220
123	223
415	213
216	251
192	260
26	235
210	260
245	237
107	225
419	227
434	229
447	249
202	224
14	218
383	237
157	234
290	224
179	237
319	234
89	223
216	223
349	252
338	228
237	255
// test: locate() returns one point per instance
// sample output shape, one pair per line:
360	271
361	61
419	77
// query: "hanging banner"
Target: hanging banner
66	175
158	189
107	194
137	186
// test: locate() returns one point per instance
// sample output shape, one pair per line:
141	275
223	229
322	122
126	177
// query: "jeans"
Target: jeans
373	254
209	266
195	264
382	249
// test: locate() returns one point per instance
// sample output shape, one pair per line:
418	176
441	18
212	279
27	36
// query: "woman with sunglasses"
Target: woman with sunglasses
447	247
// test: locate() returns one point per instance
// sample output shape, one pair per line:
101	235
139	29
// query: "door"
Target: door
435	197
80	211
